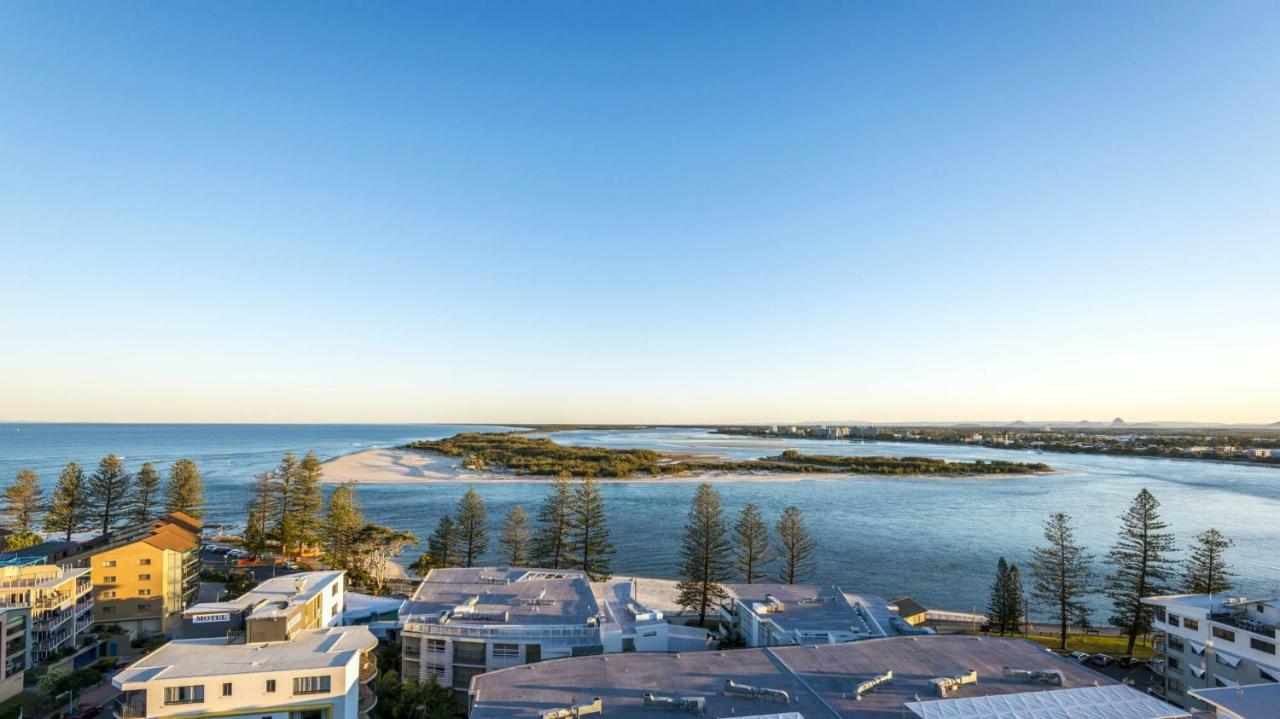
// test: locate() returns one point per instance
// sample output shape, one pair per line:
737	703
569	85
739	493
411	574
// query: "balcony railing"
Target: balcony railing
368	700
130	707
368	667
1242	621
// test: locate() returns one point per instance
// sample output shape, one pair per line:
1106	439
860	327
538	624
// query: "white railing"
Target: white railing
507	632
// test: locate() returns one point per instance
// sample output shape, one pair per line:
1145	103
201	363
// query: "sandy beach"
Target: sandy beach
407	466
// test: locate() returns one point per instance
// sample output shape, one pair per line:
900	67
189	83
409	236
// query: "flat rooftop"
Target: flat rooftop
620	605
817	608
203	658
1113	701
819	679
292	589
1253	701
40	576
526	596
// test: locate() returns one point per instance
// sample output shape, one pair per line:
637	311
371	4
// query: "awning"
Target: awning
1196	647
1198	671
1229	660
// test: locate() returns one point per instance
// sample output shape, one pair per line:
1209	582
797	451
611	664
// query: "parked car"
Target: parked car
1129	661
1102	660
1079	656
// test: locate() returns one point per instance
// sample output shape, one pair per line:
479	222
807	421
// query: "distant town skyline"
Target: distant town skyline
640	212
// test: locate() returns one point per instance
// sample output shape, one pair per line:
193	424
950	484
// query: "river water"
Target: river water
935	539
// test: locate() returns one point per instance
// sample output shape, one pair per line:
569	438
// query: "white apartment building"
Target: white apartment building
313	674
61	602
1214	641
462	622
273	609
770	615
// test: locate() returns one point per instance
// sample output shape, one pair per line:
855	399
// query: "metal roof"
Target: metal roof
1104	702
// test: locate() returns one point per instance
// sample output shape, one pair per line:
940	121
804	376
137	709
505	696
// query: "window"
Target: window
144	562
1262	646
184	695
1175	664
226	689
109	579
144	577
333	591
1159	613
506	651
109	594
144	592
1173	620
108	610
143	608
1226	634
311	685
1267	676
271	686
1175	643
435	645
436	669
108	562
1191	624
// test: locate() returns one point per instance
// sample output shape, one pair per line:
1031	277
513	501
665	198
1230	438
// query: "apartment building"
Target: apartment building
271	610
60	603
1208	641
15	648
145	574
308	674
921	677
770	615
463	622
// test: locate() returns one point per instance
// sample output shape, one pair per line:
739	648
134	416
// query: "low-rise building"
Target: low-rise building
309	674
769	615
381	614
271	610
143	575
909	611
1207	641
60	602
15	648
1255	701
957	677
463	622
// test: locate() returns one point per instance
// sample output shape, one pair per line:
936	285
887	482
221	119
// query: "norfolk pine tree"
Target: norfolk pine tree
706	553
1017	606
1141	566
22	501
795	547
1206	570
1062	574
307	500
69	507
342	523
551	540
751	544
263	510
109	488
998	608
514	540
185	491
286	478
146	494
442	545
473	528
589	545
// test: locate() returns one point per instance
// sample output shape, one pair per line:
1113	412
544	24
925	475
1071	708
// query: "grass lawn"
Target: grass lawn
1094	644
29	701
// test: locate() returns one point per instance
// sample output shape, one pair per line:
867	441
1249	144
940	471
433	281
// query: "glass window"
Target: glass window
1262	646
1173	620
506	651
1191	624
144	592
271	686
310	685
184	695
435	645
109	579
436	669
144	562
226	689
1226	634
144	577
108	562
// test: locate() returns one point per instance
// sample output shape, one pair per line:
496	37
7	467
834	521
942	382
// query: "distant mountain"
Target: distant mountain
1118	422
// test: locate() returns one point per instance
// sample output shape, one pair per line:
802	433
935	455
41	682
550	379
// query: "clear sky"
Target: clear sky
639	212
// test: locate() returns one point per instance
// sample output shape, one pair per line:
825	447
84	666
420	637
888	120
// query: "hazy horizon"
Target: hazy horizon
648	213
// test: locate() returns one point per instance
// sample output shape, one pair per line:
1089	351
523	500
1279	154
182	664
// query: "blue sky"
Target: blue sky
639	211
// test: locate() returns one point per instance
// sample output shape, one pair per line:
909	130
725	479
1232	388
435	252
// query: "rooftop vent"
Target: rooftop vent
299	585
692	705
947	686
732	688
1040	676
872	683
596	706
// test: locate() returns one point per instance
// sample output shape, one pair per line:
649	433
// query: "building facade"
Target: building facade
15	648
1205	642
271	610
60	603
771	615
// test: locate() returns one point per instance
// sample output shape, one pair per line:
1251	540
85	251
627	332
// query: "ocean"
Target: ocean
934	539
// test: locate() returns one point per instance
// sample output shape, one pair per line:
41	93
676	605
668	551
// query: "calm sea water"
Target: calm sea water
935	539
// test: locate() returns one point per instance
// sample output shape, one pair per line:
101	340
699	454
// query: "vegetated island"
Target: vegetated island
523	455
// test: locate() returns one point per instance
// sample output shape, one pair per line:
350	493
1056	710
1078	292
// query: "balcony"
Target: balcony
133	705
1239	620
368	667
368	700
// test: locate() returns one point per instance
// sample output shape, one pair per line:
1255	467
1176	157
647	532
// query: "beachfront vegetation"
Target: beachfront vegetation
706	554
473	528
521	454
1004	608
1205	570
515	537
590	548
751	544
796	548
342	523
1141	566
109	488
21	505
1062	575
551	539
68	511
185	491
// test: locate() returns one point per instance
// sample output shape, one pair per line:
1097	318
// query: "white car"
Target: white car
1079	656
